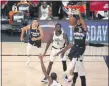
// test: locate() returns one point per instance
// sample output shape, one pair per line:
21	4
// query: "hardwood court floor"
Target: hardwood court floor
16	73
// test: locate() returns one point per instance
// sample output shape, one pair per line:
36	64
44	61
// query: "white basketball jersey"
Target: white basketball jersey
44	12
55	83
58	41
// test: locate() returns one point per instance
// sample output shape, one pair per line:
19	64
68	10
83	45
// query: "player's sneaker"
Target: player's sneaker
45	80
66	78
28	61
70	78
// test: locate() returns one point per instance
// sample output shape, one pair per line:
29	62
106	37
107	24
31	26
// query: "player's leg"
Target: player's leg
74	64
72	58
82	74
79	52
64	64
29	46
48	71
52	53
63	59
73	74
70	67
83	80
52	58
81	70
49	67
74	78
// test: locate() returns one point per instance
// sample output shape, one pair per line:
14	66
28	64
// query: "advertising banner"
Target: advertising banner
23	7
97	30
99	5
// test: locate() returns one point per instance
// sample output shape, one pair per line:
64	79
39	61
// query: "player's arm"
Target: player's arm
66	39
41	35
39	12
84	25
48	43
44	69
23	31
65	49
50	11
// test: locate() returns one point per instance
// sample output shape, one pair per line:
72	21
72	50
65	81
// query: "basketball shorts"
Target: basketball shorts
76	51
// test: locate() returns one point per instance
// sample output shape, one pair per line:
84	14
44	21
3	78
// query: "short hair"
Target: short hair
35	19
58	24
76	16
53	76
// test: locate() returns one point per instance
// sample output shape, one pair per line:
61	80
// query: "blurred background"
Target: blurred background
48	10
17	14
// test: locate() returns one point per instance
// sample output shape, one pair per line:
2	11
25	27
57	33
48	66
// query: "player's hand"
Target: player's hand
56	54
41	57
33	39
44	53
70	77
62	54
22	39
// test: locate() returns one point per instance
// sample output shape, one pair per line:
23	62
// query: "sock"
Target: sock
64	65
83	80
75	77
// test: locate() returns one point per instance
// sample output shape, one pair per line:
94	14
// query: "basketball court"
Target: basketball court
16	73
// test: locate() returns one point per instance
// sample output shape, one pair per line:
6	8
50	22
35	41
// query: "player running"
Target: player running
35	36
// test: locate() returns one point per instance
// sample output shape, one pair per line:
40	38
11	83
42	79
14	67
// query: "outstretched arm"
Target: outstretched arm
44	69
65	49
23	31
82	21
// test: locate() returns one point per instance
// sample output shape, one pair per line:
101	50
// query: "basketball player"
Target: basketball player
59	40
45	11
52	79
35	36
77	49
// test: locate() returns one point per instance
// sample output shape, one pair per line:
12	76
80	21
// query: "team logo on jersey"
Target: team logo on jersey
80	30
35	34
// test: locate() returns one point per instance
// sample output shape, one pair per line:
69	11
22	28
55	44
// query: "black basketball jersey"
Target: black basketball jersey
34	33
79	35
